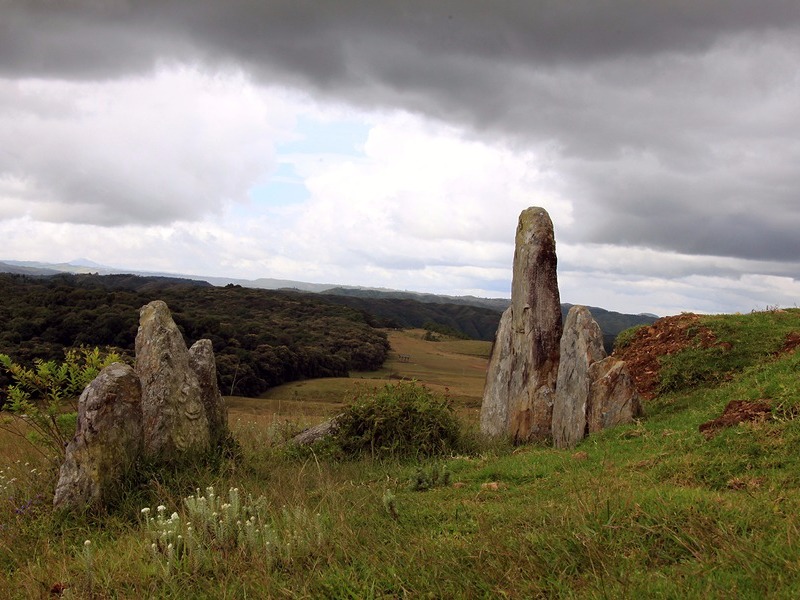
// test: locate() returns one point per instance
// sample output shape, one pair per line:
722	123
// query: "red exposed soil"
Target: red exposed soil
737	411
666	336
791	343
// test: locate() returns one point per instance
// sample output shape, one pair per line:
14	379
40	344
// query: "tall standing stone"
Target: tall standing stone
175	422
581	347
201	359
107	441
521	381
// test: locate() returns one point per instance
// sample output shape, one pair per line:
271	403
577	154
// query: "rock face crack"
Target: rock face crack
172	402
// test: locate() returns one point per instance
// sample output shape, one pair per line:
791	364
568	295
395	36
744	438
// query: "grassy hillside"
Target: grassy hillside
652	510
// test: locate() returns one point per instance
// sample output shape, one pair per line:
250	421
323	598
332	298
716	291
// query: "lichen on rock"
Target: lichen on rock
175	421
520	384
107	442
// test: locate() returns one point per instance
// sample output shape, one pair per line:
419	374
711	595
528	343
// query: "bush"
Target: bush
401	420
40	399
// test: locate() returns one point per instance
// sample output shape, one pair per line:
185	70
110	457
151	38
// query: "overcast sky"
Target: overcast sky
394	143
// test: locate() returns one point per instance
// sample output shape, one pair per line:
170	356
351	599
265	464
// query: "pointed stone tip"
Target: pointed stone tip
534	222
532	214
152	308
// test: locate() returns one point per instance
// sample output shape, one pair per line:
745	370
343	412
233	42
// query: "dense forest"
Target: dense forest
475	318
261	338
471	321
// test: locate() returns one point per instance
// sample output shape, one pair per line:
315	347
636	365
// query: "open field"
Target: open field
457	366
655	509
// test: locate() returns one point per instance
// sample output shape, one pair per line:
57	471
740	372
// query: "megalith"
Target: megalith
174	417
107	441
581	347
204	365
613	399
523	367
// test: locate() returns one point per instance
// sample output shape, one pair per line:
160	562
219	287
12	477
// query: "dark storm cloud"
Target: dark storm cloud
324	40
672	123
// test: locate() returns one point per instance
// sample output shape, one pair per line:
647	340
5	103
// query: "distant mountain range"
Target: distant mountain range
473	316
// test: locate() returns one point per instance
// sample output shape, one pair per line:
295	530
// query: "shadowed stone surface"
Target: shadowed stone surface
494	408
581	347
175	422
613	399
203	363
520	385
107	441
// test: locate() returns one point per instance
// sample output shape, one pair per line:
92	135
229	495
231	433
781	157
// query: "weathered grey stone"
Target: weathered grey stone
175	422
518	397
613	399
581	347
107	441
317	432
204	365
494	408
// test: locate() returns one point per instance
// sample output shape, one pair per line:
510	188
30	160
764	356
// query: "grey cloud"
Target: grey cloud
672	124
315	38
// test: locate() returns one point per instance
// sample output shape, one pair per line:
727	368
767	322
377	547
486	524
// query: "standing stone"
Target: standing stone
520	384
581	347
107	441
175	422
201	359
613	399
494	408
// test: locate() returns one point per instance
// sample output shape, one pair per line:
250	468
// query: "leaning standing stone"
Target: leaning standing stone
518	397
107	441
175	422
581	347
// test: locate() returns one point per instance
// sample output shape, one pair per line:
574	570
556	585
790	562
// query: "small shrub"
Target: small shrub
40	399
390	504
401	420
426	479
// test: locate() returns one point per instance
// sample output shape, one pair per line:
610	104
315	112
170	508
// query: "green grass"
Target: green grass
742	341
649	510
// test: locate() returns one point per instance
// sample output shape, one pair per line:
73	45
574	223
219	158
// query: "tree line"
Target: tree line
261	338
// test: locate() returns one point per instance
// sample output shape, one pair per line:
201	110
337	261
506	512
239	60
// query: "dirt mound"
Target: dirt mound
791	343
666	336
737	411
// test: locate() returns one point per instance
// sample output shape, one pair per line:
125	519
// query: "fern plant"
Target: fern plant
41	403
